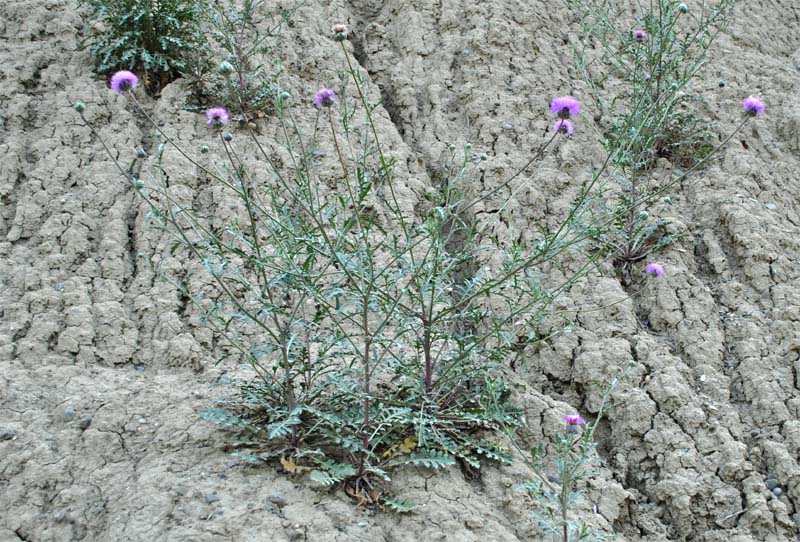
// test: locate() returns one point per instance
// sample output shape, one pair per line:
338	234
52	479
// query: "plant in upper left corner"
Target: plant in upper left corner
160	39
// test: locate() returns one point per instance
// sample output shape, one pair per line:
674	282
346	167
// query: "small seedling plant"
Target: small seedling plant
557	487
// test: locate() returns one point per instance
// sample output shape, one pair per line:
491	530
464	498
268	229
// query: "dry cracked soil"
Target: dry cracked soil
103	368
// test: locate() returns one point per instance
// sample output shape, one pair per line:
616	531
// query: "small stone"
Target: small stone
142	420
7	434
771	206
772	483
297	534
473	524
755	433
85	423
211	498
777	491
507	126
69	413
139	367
277	499
59	517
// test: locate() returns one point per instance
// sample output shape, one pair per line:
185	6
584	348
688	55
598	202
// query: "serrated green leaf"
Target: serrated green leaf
247	457
399	505
222	417
322	477
432	459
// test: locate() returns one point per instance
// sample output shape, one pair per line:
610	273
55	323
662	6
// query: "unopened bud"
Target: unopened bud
79	107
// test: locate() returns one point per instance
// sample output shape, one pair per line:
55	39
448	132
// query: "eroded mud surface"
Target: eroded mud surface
102	367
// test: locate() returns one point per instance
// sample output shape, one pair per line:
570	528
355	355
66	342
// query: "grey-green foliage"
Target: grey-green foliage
375	340
377	331
657	112
159	39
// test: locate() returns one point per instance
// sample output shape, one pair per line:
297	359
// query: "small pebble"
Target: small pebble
772	483
297	534
507	126
755	433
138	367
771	206
277	499
7	434
473	524
777	492
211	498
85	423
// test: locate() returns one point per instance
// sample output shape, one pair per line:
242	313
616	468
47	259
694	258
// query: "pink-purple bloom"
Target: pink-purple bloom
574	419
640	35
563	127
754	106
655	269
565	107
123	81
325	97
340	32
217	116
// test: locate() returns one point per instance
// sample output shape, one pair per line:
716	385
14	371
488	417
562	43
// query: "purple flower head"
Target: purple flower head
340	32
565	107
123	81
324	98
754	106
655	269
640	35
217	116
574	419
563	127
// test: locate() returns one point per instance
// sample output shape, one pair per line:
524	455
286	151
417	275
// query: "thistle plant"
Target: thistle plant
369	333
375	339
655	114
160	39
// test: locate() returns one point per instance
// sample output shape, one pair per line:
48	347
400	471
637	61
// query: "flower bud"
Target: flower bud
225	68
683	8
227	137
141	153
204	149
79	107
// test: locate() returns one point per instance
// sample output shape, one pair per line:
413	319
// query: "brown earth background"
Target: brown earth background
103	367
